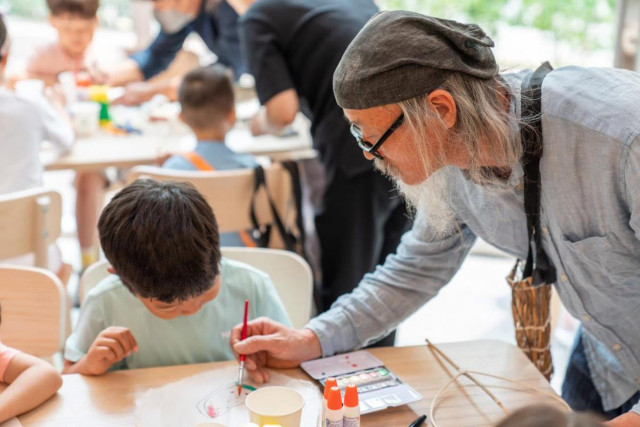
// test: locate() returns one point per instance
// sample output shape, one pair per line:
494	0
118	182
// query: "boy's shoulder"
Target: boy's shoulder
111	287
236	270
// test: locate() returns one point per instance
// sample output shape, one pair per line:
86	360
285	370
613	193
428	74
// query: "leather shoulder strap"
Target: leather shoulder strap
537	265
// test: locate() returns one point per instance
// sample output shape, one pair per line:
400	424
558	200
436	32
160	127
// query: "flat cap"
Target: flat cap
399	55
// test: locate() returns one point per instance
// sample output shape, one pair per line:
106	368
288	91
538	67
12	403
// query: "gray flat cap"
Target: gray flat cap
399	55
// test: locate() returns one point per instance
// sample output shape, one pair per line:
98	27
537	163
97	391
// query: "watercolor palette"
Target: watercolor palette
378	387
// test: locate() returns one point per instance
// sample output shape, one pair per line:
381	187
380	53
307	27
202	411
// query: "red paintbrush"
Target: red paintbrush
242	338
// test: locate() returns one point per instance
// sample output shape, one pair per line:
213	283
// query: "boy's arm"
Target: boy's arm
31	382
110	346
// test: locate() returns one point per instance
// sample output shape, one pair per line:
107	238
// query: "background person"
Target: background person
213	20
292	48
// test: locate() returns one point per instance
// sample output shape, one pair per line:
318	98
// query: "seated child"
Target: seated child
31	382
25	124
75	22
175	300
208	108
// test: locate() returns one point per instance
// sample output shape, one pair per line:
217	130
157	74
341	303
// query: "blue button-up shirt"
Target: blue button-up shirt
590	213
218	28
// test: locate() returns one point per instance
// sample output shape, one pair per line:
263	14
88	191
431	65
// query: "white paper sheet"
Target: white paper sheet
189	401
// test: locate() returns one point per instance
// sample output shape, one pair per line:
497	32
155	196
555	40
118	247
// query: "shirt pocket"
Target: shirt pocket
600	262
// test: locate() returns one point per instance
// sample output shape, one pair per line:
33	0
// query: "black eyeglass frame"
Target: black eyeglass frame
370	148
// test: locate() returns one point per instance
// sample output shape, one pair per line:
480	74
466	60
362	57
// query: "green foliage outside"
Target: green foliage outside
586	24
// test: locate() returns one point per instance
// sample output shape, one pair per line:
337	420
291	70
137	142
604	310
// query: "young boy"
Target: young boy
24	125
208	108
75	22
174	300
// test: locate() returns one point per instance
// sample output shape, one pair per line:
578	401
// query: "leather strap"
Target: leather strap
537	265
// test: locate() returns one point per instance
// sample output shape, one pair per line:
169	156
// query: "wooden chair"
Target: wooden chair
34	310
291	276
29	223
290	273
230	193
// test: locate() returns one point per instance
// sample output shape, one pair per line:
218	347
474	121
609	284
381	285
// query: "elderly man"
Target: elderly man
444	124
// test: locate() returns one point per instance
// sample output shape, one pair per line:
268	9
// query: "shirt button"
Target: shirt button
545	230
638	380
586	317
520	186
616	347
564	278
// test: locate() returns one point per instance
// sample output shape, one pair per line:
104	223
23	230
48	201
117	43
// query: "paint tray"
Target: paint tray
378	387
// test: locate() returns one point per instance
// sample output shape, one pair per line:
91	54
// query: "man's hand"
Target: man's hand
136	93
271	344
630	419
111	346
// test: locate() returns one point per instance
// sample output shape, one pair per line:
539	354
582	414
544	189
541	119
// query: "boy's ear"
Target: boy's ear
111	270
181	117
231	118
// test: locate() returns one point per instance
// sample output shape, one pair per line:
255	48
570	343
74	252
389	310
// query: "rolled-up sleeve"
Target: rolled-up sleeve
159	54
395	290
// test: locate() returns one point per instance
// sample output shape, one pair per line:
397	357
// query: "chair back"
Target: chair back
230	194
93	275
290	274
29	223
34	310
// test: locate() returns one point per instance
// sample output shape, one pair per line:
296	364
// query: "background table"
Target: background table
109	400
124	151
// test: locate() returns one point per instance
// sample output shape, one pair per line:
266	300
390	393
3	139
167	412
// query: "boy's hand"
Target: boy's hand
271	344
111	346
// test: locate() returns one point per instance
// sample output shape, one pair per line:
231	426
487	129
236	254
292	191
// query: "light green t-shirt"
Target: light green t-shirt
202	337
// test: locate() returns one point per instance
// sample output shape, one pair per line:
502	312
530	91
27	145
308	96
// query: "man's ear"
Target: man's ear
111	270
442	101
231	118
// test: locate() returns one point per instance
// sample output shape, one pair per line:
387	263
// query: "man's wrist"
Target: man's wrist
313	344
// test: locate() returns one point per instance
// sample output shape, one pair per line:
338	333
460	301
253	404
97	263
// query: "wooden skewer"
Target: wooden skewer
468	375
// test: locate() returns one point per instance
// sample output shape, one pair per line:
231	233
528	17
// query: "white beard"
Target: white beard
430	198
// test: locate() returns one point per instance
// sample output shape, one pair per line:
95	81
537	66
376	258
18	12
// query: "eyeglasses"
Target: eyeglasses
373	148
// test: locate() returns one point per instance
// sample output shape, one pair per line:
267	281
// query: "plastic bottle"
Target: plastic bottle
334	414
351	407
330	382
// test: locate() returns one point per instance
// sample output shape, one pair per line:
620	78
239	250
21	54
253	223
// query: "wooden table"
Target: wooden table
109	400
125	151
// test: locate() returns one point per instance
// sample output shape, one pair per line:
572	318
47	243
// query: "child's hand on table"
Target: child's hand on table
110	346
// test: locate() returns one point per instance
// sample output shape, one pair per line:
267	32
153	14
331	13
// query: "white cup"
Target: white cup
275	405
67	81
85	117
30	89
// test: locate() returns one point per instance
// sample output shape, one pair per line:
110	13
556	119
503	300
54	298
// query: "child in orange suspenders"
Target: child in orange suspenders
207	101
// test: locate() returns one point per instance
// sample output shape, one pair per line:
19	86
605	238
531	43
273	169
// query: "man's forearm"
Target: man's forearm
126	72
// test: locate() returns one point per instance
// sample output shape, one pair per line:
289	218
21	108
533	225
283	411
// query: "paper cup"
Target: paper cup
275	405
86	117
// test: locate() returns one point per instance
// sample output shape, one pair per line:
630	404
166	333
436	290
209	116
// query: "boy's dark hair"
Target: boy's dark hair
87	9
161	239
206	96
